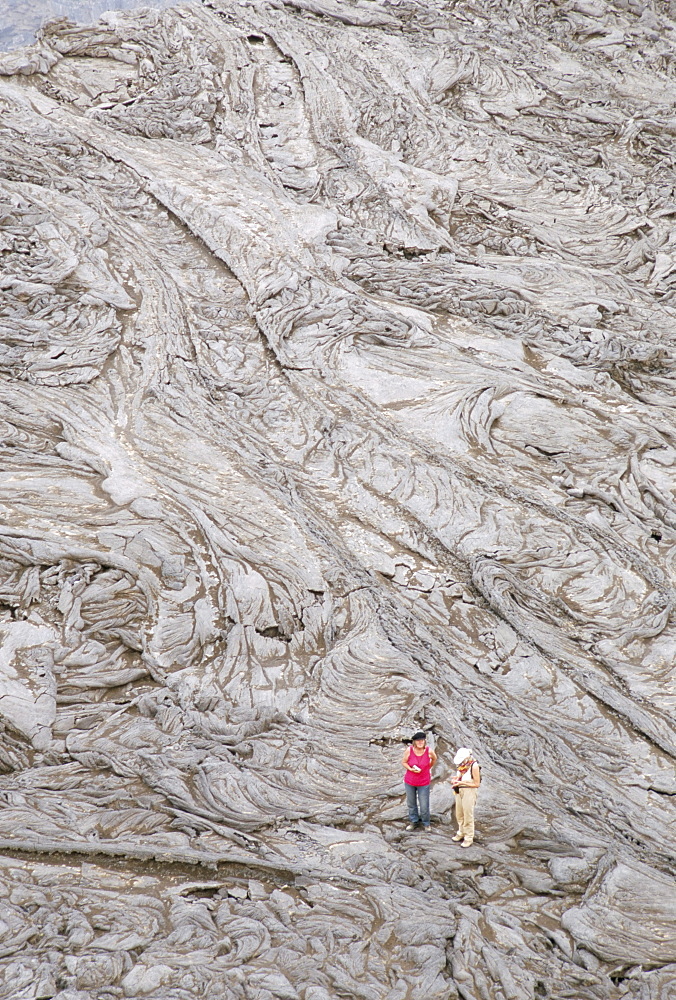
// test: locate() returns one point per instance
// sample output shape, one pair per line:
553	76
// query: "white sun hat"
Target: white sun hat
462	755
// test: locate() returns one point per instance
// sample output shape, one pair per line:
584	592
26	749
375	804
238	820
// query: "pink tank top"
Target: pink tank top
423	762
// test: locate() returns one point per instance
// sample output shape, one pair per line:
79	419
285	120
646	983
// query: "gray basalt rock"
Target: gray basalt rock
337	394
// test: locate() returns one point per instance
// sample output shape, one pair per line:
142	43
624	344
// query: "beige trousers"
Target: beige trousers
465	801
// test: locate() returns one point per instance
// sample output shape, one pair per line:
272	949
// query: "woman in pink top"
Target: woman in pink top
418	760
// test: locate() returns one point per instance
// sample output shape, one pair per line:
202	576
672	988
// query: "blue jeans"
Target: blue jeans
418	803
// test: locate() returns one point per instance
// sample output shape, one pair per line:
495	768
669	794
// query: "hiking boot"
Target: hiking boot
457	837
427	827
412	826
467	843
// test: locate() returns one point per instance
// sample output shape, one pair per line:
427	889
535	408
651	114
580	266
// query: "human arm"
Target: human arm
433	758
476	777
404	761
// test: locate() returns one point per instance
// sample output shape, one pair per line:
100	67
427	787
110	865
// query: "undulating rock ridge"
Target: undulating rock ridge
338	398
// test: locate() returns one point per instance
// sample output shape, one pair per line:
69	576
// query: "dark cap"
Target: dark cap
419	735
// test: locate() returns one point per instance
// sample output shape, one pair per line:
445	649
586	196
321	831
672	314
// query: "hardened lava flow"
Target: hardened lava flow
338	400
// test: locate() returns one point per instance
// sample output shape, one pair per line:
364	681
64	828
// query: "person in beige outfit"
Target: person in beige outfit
465	781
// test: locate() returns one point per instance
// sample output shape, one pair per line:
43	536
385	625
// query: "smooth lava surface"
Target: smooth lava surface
20	19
